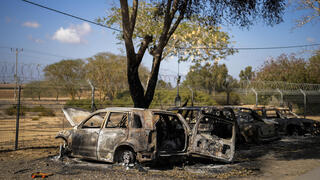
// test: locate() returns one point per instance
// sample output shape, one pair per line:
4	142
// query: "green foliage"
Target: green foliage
161	84
246	74
12	110
221	98
207	77
313	69
291	69
66	74
107	72
188	35
38	89
43	111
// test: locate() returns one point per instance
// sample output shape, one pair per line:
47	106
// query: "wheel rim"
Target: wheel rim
127	157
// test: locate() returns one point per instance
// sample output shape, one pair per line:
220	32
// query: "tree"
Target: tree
284	68
106	72
66	75
247	74
207	77
312	11
171	14
313	69
163	84
229	84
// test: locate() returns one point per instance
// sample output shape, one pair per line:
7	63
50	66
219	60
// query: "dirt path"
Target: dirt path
288	158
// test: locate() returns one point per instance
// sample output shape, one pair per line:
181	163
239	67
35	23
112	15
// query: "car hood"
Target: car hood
75	116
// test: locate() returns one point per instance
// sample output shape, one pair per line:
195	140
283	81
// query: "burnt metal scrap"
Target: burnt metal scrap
127	135
213	130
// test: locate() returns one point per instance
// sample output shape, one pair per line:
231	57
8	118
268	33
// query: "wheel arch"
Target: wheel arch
119	148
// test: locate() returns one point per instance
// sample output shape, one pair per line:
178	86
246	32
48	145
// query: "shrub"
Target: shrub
11	111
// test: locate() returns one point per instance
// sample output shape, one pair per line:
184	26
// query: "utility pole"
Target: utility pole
16	72
177	100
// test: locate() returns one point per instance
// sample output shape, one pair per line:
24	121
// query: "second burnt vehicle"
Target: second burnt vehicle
252	128
133	134
211	127
289	122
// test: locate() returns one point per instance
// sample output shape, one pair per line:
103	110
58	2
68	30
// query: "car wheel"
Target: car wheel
126	157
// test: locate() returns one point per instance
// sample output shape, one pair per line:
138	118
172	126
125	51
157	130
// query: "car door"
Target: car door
114	131
84	141
213	137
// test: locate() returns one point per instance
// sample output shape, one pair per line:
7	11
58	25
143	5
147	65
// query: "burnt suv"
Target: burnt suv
133	134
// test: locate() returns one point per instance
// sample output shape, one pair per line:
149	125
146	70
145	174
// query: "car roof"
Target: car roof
126	109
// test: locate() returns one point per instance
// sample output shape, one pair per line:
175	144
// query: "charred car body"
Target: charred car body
130	134
289	122
253	129
213	130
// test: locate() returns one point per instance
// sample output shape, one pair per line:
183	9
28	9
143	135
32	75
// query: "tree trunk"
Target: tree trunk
228	97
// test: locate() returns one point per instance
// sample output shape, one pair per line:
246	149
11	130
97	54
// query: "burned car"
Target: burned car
213	130
133	134
253	129
289	122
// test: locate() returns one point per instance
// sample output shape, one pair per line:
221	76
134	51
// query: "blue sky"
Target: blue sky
36	29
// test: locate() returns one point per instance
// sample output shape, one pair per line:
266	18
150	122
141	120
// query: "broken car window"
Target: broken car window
117	120
215	126
136	121
95	121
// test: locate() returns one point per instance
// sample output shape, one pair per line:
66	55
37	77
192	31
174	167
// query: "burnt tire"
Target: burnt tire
126	156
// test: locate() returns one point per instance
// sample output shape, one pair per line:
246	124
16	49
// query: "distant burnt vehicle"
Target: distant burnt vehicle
252	128
289	122
127	135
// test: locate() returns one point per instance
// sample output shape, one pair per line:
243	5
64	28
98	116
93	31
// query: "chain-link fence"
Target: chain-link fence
41	118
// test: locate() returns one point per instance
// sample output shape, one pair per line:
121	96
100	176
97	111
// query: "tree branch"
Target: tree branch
133	16
127	31
143	47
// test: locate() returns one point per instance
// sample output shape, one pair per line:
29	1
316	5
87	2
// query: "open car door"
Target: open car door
214	137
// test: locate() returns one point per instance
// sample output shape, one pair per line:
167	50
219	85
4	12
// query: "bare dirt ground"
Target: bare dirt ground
284	159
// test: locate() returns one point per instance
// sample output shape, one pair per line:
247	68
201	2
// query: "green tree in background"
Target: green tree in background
283	68
247	74
228	85
313	69
107	72
170	15
66	75
291	69
207	77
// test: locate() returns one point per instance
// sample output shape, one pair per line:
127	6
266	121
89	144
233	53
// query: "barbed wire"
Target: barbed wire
278	85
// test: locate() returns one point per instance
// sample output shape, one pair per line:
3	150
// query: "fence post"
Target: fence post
256	93
281	96
17	120
93	105
304	102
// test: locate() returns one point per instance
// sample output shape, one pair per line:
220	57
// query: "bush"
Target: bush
12	111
